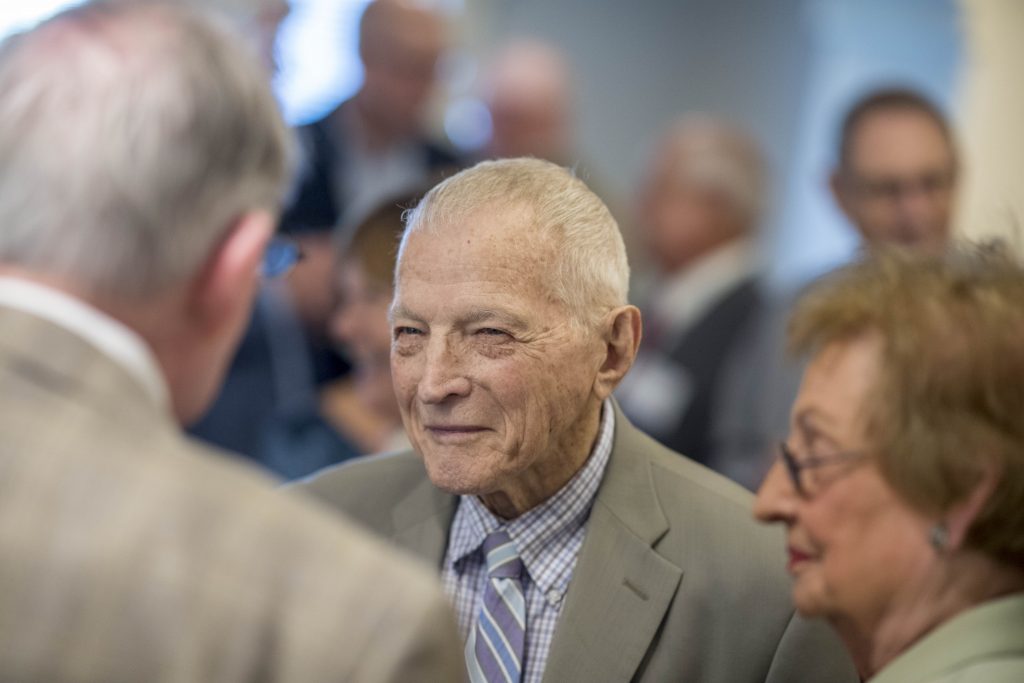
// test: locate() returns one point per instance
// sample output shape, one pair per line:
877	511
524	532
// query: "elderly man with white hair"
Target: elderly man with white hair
574	547
143	158
711	380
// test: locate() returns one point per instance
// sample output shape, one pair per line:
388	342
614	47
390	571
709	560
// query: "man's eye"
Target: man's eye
403	331
492	332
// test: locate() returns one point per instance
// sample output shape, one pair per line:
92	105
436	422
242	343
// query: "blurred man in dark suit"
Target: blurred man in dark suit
373	146
708	381
143	161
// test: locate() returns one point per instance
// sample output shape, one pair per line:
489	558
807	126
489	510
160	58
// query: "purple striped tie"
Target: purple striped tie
494	653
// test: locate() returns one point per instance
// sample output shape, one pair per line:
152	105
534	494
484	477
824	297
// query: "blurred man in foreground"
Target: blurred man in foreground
896	176
133	233
574	547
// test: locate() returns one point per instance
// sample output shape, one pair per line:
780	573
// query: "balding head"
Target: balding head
529	96
400	44
704	187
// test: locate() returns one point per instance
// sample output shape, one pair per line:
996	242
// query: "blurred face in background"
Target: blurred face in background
898	183
309	283
529	92
681	220
360	325
401	45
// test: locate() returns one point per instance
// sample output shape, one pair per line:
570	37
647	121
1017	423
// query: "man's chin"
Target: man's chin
451	476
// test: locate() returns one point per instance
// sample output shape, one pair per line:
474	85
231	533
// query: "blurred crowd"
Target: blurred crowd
309	386
547	455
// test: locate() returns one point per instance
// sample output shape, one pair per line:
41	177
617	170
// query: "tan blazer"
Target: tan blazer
131	554
674	582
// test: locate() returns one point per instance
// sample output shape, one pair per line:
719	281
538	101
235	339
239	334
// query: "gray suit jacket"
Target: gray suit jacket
674	582
129	553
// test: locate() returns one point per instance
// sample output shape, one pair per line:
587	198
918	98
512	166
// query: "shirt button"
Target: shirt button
554	597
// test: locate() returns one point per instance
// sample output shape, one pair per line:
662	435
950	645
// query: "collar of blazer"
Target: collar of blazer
618	571
61	363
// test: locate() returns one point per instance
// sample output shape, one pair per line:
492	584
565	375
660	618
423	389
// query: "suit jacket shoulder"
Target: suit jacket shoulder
681	568
391	495
674	582
137	554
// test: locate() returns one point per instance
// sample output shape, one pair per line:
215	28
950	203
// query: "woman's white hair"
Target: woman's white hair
132	135
592	272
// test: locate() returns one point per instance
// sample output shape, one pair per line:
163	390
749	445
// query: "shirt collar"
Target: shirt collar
111	337
537	532
683	297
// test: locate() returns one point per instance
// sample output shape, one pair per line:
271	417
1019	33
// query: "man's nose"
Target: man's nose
919	205
443	375
776	498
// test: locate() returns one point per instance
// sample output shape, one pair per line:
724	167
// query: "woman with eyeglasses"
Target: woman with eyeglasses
901	484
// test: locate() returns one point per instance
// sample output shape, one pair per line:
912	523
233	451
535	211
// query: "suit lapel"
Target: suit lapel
422	520
621	587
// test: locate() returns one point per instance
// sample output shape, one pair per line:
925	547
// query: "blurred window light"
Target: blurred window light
19	16
318	58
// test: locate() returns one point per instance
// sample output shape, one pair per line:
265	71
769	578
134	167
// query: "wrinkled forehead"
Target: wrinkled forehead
493	238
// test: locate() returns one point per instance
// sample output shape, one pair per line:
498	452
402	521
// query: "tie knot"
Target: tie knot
503	559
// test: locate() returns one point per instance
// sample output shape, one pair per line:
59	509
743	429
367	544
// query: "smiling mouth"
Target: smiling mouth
454	433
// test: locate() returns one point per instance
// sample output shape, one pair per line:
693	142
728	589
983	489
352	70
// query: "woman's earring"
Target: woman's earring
939	537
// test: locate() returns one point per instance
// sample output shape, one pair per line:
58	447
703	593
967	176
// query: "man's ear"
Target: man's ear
620	335
227	283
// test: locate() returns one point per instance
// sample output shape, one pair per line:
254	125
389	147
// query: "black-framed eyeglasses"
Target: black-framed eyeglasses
795	468
929	184
280	256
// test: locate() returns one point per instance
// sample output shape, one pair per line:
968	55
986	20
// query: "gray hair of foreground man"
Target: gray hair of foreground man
128	147
592	273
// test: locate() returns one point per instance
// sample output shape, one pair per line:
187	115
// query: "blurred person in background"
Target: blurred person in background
707	382
363	405
897	170
373	146
528	92
366	150
268	406
573	546
528	89
900	484
133	236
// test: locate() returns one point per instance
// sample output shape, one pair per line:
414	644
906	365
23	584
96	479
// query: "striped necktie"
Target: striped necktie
494	652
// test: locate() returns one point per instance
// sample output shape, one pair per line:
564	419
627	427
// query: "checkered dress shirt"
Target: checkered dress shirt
548	538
